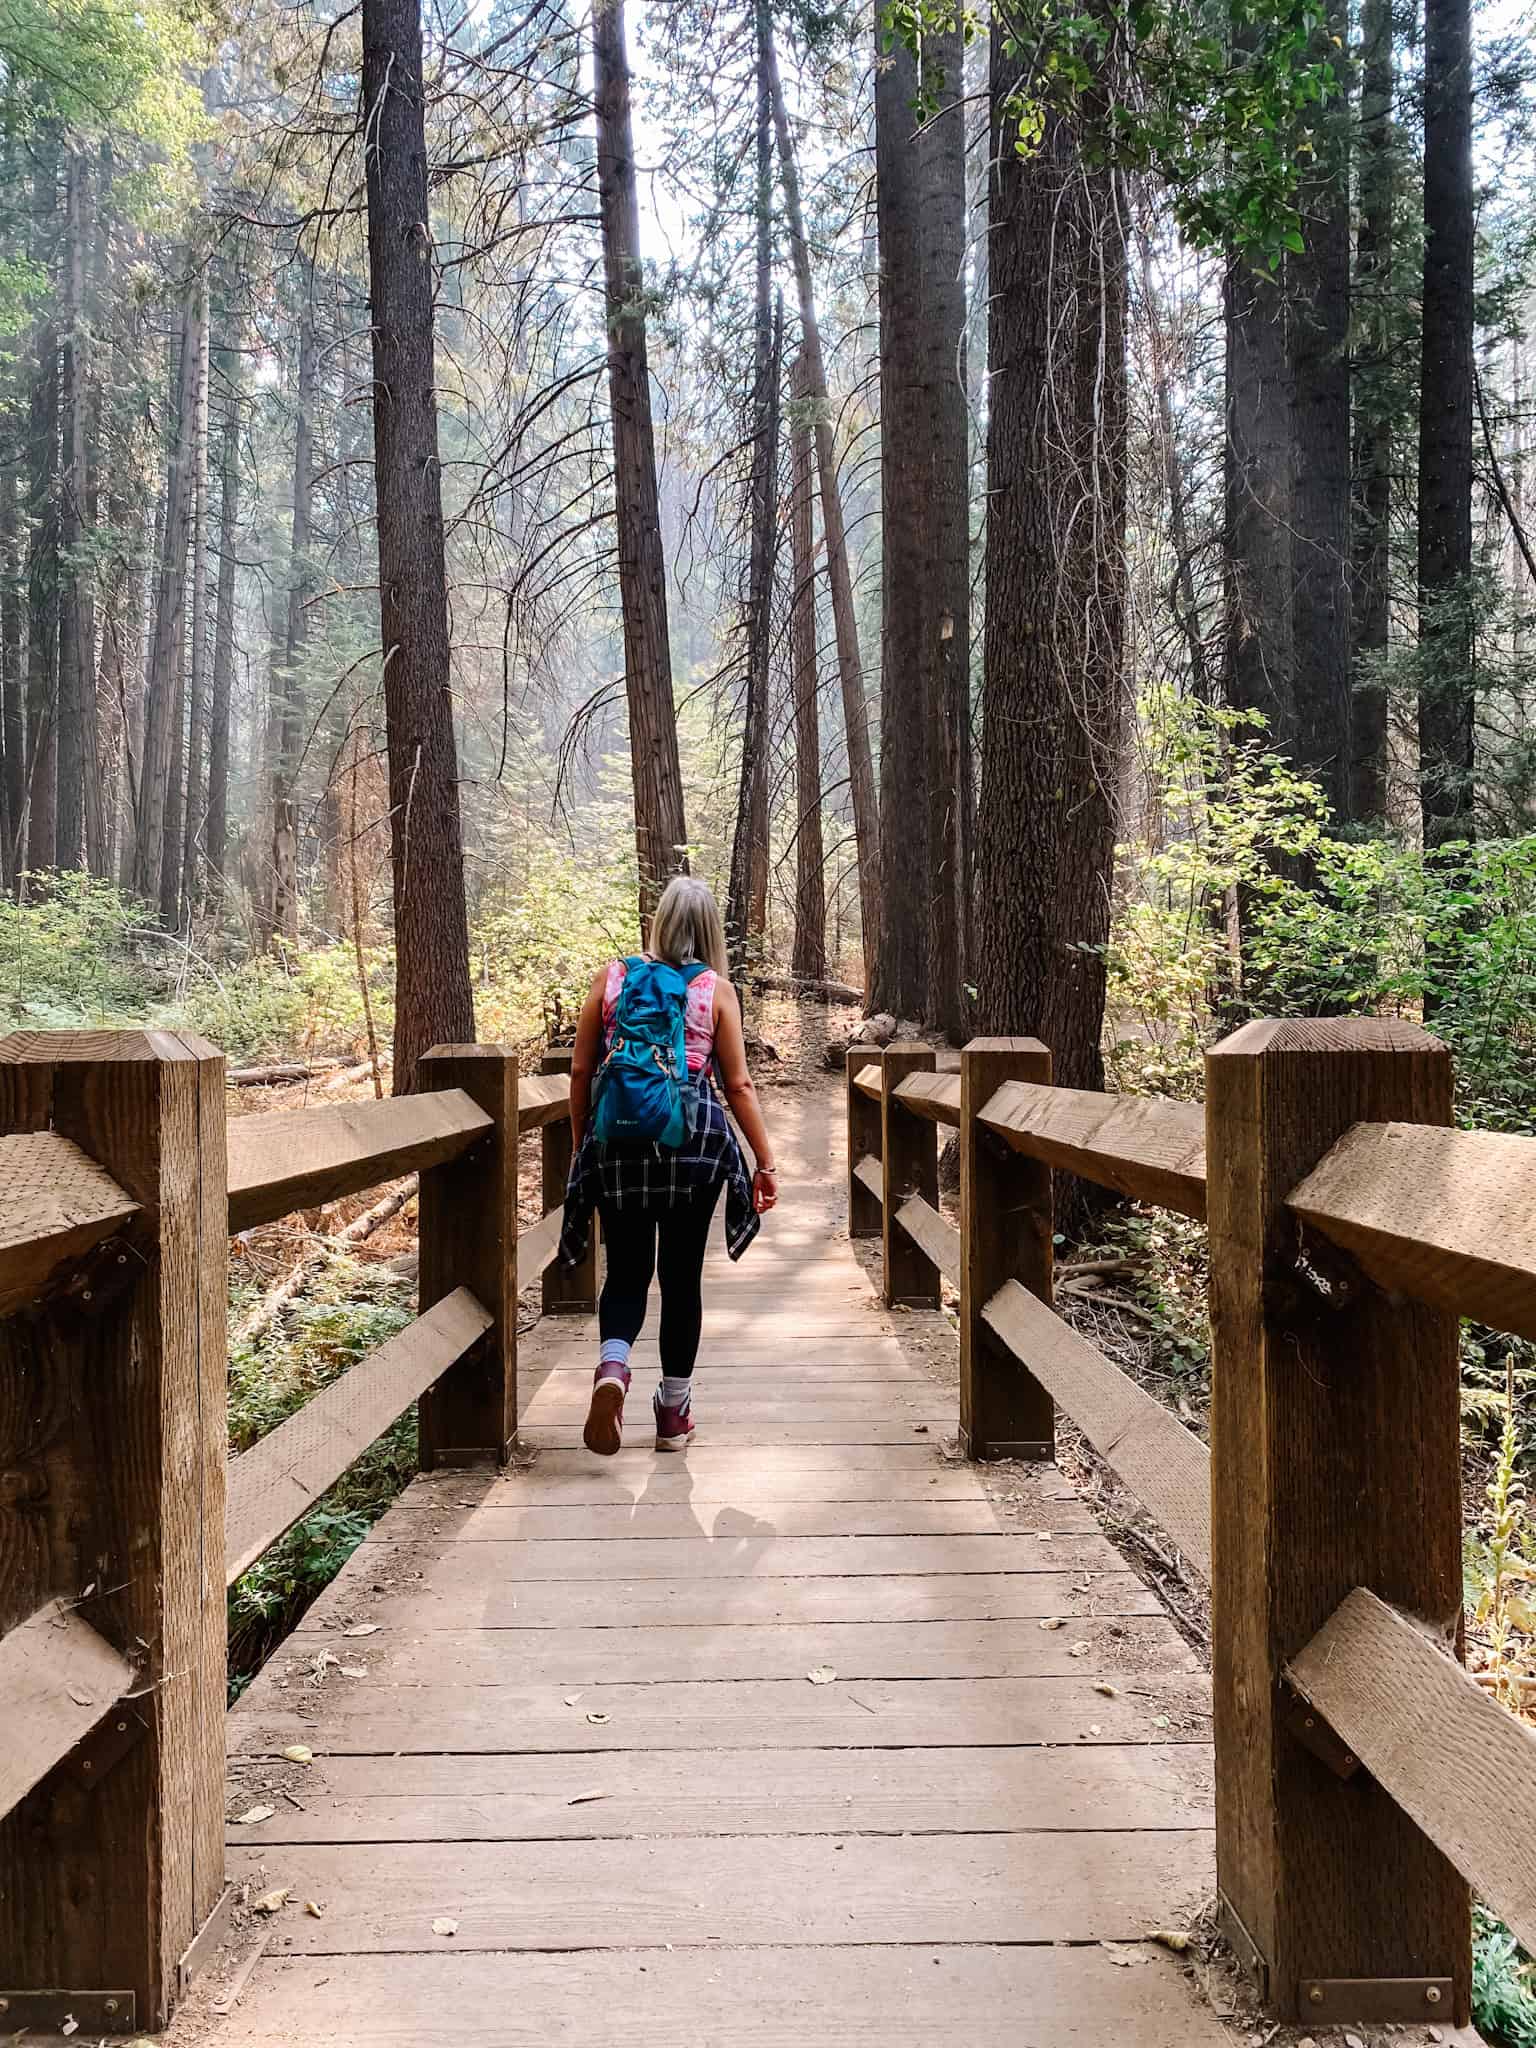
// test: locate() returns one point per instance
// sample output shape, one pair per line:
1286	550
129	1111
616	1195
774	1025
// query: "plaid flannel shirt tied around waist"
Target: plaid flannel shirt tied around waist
654	1177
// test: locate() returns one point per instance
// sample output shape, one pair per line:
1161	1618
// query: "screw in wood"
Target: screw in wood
109	2006
1316	1994
1432	1994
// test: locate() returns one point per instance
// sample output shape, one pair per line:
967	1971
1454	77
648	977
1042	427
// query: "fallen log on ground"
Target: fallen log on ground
298	1277
812	991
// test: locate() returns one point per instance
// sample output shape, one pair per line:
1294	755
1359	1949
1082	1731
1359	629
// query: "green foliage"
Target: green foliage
1503	1996
351	1310
1213	101
295	1000
536	953
119	66
68	958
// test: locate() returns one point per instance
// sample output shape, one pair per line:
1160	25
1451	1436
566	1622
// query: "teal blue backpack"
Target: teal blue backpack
640	1087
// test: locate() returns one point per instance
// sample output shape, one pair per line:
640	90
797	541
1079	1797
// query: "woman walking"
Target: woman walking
653	1149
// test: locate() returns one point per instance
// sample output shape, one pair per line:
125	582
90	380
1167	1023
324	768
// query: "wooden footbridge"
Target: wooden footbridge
806	1735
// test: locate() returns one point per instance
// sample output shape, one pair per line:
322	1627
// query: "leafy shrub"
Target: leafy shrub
292	1000
1503	1996
535	954
70	957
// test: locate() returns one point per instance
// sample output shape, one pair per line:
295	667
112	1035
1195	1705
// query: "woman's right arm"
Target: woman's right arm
587	1055
741	1093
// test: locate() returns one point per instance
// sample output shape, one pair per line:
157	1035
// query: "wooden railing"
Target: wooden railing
121	1517
1363	1779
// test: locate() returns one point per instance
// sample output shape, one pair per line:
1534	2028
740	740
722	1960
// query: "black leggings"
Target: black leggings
630	1235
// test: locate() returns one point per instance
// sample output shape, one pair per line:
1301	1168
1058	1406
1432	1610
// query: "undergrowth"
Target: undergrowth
1503	1993
352	1307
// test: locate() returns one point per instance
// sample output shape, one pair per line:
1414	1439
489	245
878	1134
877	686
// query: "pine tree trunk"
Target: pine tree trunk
1318	290
1184	598
100	711
808	959
77	679
1260	443
433	1000
288	684
661	835
746	895
42	511
861	767
13	721
1446	707
1369	597
159	781
222	685
197	679
1055	593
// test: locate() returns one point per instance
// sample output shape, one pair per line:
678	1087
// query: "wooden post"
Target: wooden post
1005	1234
910	1149
573	1290
469	1239
1335	1463
113	1446
864	1142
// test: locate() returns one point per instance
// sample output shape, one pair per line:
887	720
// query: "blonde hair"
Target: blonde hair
686	925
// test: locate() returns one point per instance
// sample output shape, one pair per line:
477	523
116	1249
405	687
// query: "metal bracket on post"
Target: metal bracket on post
106	1746
1251	1959
1377	1999
1314	1734
50	2012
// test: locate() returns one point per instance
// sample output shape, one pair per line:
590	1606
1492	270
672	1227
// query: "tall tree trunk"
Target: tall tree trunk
13	719
288	684
1260	443
222	687
809	955
1184	598
746	896
861	767
77	666
1371	550
101	710
1446	705
42	510
925	793
159	780
661	835
433	999
1318	289
192	853
1055	592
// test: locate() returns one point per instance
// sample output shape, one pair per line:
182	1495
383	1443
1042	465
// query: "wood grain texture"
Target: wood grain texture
58	1678
1006	1225
1446	1216
545	1098
869	1175
287	1159
1458	1764
59	1205
734	1555
909	1997
934	1095
112	1437
468	1229
1150	1149
746	1792
1165	1465
864	1124
937	1237
537	1246
910	1153
280	1477
1335	1437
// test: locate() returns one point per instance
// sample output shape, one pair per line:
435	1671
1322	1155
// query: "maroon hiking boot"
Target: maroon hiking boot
674	1426
604	1431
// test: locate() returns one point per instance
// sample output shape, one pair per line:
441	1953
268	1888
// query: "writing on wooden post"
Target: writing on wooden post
864	1143
113	1440
469	1239
567	1290
1005	1234
910	1149
1334	1464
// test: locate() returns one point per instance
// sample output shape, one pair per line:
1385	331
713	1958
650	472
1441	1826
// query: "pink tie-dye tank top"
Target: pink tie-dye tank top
698	1015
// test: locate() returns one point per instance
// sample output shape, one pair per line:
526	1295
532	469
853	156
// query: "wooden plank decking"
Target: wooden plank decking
593	1726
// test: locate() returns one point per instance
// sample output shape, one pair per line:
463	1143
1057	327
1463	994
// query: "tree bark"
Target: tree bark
1184	598
77	665
13	721
197	676
1260	445
222	685
42	511
433	1000
925	783
746	895
661	834
1446	705
287	680
160	758
1055	571
861	767
809	956
1318	291
1371	549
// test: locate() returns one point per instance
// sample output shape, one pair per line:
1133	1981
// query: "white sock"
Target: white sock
674	1393
613	1358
